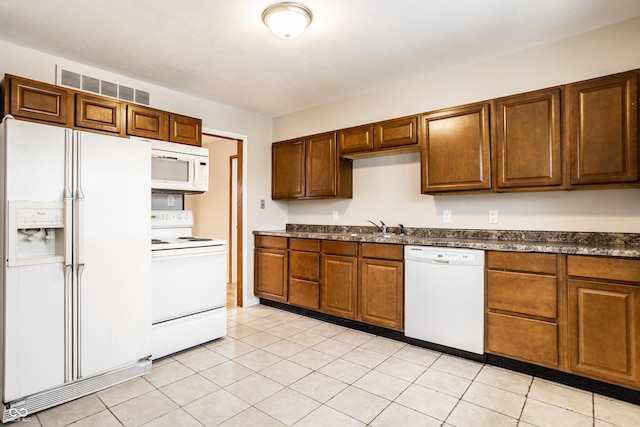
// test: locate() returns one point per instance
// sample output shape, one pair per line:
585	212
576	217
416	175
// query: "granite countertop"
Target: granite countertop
626	245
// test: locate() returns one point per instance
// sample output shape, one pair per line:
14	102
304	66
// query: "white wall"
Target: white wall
388	188
256	129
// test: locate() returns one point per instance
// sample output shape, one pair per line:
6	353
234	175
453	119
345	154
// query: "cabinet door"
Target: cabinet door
456	152
604	330
603	130
147	122
381	293
321	165
396	133
355	140
339	285
39	101
288	169
271	274
99	113
185	130
527	143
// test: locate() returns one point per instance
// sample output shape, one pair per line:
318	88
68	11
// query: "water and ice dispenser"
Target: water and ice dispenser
36	232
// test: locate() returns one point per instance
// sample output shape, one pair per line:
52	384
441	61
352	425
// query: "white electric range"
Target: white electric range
189	284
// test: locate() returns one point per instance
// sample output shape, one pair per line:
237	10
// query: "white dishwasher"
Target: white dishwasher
444	296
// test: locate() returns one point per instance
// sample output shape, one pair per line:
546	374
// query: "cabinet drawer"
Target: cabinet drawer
339	248
624	270
522	261
304	293
309	245
382	251
271	242
523	293
304	265
529	340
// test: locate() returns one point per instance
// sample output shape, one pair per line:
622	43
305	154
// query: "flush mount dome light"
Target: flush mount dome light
286	20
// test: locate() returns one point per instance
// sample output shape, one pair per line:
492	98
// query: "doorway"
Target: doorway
218	212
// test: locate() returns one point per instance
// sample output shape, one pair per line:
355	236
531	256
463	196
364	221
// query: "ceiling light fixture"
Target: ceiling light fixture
286	20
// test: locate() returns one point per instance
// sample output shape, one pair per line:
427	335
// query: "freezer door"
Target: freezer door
36	161
36	168
34	329
112	251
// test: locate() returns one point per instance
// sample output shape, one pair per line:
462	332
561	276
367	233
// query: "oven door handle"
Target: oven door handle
159	257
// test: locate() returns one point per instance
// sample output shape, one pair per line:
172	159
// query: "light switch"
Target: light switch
493	217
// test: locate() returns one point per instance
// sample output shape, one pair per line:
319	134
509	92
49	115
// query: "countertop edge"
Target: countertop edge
497	245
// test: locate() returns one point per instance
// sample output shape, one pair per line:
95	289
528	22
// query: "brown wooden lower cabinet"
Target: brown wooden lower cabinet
304	273
523	309
271	268
340	285
587	323
604	318
381	285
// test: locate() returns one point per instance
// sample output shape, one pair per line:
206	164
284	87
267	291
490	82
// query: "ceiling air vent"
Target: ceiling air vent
90	84
102	87
125	93
109	89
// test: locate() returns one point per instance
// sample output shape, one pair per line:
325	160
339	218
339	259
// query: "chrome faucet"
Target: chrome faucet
382	227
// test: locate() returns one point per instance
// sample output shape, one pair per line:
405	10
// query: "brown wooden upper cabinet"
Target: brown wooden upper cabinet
357	139
527	141
388	137
456	149
147	122
185	130
32	100
602	130
99	113
309	168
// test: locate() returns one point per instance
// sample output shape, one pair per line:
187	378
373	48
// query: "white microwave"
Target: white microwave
179	168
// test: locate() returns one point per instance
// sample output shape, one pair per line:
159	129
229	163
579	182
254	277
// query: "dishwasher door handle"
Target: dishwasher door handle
440	261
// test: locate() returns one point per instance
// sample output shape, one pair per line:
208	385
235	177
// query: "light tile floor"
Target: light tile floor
277	368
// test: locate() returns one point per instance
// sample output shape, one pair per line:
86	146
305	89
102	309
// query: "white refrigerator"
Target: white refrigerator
76	292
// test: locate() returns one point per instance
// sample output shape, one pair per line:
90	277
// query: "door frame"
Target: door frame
242	214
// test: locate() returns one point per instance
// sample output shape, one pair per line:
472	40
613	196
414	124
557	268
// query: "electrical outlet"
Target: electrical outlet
446	216
261	203
335	215
493	217
171	200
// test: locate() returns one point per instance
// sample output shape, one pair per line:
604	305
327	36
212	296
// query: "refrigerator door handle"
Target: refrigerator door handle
80	203
68	319
78	323
68	197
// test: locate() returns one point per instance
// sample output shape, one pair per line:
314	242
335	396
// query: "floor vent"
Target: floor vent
102	87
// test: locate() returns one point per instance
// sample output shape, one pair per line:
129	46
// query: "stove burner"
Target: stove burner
157	241
195	239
